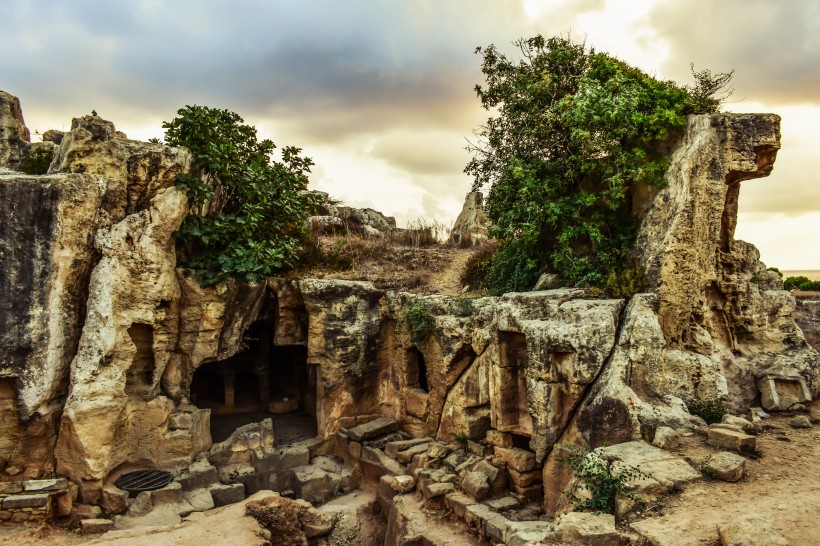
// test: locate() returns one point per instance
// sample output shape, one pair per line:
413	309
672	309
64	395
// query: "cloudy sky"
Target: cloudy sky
380	92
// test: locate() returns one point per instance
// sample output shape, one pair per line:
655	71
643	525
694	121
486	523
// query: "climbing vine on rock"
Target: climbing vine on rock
249	211
575	133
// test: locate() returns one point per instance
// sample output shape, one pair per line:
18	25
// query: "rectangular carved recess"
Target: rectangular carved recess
140	375
513	412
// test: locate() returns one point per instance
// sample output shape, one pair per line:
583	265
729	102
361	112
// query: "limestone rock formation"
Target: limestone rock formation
114	358
15	139
471	225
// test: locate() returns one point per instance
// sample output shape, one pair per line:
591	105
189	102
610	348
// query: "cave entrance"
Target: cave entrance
512	410
417	370
263	381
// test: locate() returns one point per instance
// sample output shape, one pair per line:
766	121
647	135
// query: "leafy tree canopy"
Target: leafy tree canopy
248	211
574	132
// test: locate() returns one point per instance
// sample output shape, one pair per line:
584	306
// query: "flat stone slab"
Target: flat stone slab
750	530
373	429
57	484
517	458
393	448
731	439
663	468
26	501
95	526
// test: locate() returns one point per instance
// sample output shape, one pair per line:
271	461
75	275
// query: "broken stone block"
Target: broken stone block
747	426
666	438
751	530
458	503
402	484
316	523
439	451
63	503
391	449
432	490
529	492
476	484
525	479
504	503
95	526
731	439
223	495
171	493
499	439
313	484
578	528
26	501
407	455
373	429
85	511
10	488
526	533
200	474
57	484
416	402
517	458
114	500
385	493
780	392
800	421
725	466
477	448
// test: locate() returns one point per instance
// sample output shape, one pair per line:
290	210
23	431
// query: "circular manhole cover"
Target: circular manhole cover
143	480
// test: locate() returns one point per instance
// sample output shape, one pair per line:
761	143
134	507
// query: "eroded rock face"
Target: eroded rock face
471	225
15	139
46	258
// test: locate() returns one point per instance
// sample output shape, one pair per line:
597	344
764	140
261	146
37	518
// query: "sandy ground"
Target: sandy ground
783	484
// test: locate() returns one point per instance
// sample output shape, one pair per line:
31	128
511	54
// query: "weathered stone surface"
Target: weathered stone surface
666	438
476	484
517	459
95	526
133	278
730	439
471	225
800	421
26	501
40	326
780	391
373	429
15	139
581	528
224	494
725	466
750	530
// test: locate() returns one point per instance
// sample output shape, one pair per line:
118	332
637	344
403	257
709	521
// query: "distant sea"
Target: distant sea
813	274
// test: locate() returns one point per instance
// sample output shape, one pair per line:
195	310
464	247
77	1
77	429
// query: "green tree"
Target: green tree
574	132
248	211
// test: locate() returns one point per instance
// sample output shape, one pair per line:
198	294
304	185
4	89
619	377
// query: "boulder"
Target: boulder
581	528
731	439
725	466
15	139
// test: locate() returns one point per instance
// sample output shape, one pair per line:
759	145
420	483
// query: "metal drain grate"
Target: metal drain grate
143	480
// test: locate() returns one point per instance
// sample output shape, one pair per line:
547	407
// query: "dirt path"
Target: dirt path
448	280
782	485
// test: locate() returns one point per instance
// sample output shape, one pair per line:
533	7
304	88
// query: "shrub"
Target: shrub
248	212
478	266
801	283
38	161
597	481
711	411
418	320
576	131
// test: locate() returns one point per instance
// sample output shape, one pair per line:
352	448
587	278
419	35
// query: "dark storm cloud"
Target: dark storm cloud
774	47
329	69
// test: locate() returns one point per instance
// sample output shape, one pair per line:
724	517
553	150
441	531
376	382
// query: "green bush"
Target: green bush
38	161
478	267
711	411
599	480
418	320
575	132
248	214
801	283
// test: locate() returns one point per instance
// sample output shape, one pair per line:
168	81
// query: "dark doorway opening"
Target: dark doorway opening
263	381
417	370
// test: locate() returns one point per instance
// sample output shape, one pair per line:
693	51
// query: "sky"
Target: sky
380	92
